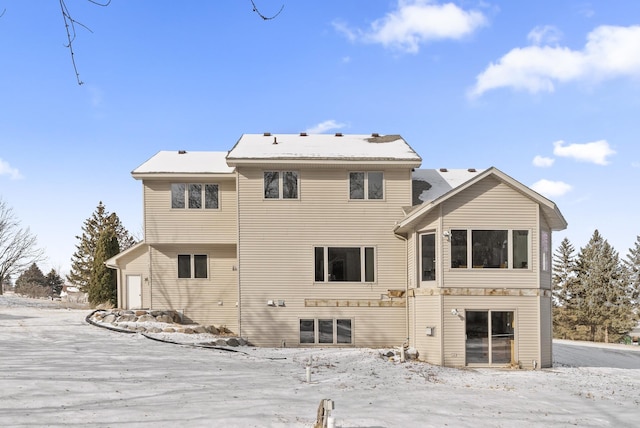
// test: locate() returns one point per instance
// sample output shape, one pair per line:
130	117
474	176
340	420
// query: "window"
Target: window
545	247
325	331
192	266
428	251
347	264
280	185
489	337
490	249
191	196
366	185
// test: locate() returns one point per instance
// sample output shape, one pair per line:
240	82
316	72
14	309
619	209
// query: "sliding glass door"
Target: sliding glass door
489	337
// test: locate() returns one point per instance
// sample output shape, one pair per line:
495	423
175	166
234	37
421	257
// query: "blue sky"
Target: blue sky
546	91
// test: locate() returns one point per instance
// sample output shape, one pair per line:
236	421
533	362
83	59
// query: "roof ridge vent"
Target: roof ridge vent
182	152
375	135
303	134
267	134
472	170
338	134
444	170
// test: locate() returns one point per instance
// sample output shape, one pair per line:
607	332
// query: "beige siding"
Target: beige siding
166	225
527	340
486	205
276	243
546	333
135	263
427	312
204	301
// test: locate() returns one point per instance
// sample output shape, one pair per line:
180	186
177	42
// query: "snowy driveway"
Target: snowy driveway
56	370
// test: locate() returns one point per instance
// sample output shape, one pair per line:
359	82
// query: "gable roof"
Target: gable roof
183	162
550	211
258	148
430	184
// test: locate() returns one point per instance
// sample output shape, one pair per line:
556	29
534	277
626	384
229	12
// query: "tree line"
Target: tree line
595	292
103	236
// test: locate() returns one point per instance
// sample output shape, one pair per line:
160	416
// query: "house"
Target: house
339	240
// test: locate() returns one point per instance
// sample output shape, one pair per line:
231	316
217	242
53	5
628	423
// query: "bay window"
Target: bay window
490	249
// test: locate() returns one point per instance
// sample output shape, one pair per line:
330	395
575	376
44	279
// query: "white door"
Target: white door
134	291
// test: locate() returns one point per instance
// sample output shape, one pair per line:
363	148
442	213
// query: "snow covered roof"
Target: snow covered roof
184	162
437	182
338	147
458	183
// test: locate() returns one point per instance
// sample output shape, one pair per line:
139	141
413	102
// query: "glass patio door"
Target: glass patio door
489	337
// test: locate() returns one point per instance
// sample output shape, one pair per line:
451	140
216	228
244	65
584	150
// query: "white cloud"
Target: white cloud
543	162
550	188
547	34
595	152
610	52
325	126
415	22
6	169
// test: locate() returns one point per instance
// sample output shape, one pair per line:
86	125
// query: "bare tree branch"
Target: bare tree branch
70	27
266	18
17	246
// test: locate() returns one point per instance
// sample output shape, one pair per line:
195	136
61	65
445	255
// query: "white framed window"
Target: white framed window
280	185
428	256
194	196
193	266
344	264
366	185
545	249
326	331
490	248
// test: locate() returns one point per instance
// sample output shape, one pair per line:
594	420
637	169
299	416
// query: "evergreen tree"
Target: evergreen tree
600	300
102	285
32	276
54	282
632	271
564	285
83	258
32	282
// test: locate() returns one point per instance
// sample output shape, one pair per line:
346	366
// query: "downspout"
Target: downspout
239	302
441	281
150	278
406	286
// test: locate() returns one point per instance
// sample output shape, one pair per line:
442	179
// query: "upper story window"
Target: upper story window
348	264
428	254
194	196
497	249
192	266
280	185
366	185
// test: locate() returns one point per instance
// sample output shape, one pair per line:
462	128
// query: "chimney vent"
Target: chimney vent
275	141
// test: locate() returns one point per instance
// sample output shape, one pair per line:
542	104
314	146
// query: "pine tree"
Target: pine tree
32	276
83	257
600	301
632	271
102	285
54	282
564	284
32	282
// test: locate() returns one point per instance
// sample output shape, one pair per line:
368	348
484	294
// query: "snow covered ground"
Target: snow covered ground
57	370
